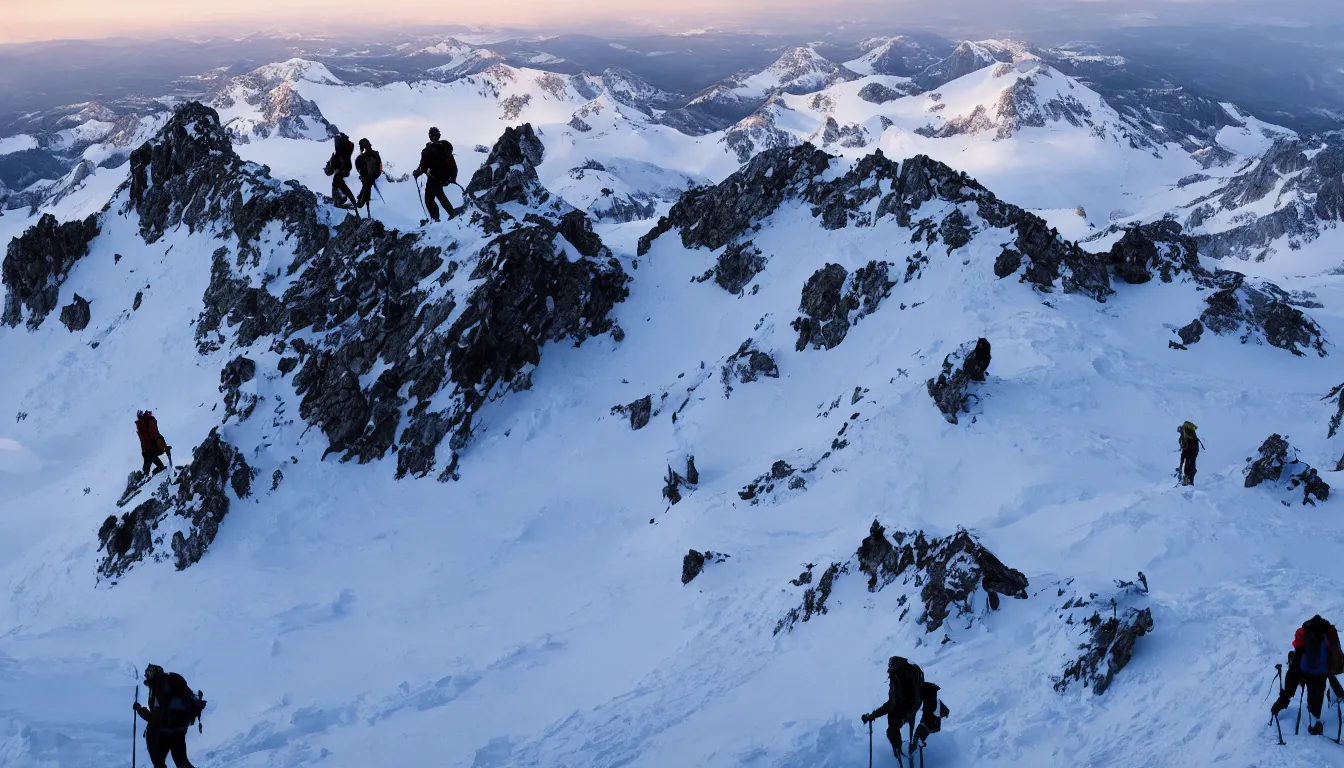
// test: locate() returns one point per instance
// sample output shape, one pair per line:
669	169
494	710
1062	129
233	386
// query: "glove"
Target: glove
417	173
866	718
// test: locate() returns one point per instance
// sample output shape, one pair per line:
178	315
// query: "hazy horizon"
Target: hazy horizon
48	20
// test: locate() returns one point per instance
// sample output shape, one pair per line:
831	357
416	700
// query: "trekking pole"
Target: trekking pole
135	724
1297	729
1275	718
420	196
1278	680
870	744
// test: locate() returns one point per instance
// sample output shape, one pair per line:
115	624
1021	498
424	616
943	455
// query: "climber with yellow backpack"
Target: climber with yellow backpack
1190	445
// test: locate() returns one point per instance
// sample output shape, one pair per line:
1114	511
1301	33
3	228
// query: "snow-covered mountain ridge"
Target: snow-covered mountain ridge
775	375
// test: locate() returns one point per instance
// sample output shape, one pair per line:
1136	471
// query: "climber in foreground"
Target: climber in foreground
152	444
1190	445
1315	660
172	710
338	168
908	693
440	170
369	166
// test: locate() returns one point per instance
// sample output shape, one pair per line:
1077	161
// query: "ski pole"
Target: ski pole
1297	729
1278	675
1280	730
421	197
870	744
135	724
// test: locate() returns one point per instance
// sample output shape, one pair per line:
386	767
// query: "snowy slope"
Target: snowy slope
530	613
266	102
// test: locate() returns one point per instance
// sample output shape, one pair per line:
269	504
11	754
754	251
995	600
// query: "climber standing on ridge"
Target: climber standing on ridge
369	166
172	710
1190	445
440	169
1315	659
908	693
152	444
338	168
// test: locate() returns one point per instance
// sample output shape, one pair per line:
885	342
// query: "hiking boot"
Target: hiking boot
1318	729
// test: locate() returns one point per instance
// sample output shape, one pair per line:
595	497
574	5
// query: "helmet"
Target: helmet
434	134
364	144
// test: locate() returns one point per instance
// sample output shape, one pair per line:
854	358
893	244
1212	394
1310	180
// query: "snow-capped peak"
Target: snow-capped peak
295	70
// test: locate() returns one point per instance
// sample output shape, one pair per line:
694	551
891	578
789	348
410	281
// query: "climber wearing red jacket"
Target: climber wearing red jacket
152	444
1315	659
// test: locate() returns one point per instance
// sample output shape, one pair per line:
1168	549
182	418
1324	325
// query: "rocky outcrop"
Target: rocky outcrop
1275	467
1337	394
951	576
1111	641
201	493
37	262
877	93
781	473
238	372
638	411
75	316
694	563
950	389
746	365
1160	247
833	301
737	266
509	174
1259	311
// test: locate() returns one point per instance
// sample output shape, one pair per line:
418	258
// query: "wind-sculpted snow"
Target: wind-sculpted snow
952	577
201	493
38	262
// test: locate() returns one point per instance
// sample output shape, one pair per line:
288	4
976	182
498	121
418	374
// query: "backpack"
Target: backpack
445	165
906	693
370	166
182	707
345	148
1320	653
1189	440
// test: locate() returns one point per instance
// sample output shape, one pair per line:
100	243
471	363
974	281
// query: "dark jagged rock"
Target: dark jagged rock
200	493
509	174
238	372
780	472
694	563
1274	465
1338	394
1191	333
1110	641
75	316
692	474
746	365
37	262
1261	310
712	217
955	230
877	93
738	265
1160	246
949	390
672	486
691	566
814	599
1269	465
949	573
638	411
833	302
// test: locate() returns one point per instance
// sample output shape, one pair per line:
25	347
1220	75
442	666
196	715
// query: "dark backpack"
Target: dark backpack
345	148
1320	653
443	166
370	166
907	684
183	707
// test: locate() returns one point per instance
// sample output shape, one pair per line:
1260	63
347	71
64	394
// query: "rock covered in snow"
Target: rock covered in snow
833	301
949	575
1259	310
1274	466
877	93
693	564
199	493
1159	247
1110	641
738	265
238	372
746	365
509	174
75	315
37	262
949	389
639	412
1338	394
